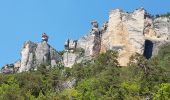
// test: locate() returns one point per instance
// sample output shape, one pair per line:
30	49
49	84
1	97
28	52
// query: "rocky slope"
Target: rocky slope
127	33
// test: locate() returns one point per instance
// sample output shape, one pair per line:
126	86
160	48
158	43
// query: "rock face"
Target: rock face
83	49
27	56
127	33
157	33
70	59
124	34
32	55
162	27
90	43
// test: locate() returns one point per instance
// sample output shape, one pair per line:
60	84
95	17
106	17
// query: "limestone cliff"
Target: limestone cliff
124	34
127	33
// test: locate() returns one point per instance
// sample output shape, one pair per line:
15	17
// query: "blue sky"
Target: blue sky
22	20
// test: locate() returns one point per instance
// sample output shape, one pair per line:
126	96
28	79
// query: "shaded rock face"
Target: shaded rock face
157	45
148	49
32	55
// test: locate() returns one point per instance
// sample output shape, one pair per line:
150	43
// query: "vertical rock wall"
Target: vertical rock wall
124	34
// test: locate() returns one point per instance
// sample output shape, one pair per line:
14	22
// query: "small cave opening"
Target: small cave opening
148	49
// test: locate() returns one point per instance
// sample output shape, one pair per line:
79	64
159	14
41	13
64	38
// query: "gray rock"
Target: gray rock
27	56
69	84
157	45
42	53
17	65
162	27
8	69
91	42
70	44
35	54
69	59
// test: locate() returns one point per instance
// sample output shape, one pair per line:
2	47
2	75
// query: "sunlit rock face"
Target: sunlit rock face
124	34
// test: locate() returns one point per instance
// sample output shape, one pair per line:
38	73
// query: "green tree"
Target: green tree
163	92
10	92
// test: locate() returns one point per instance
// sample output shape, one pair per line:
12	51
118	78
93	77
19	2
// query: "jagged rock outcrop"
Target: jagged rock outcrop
33	54
91	42
136	32
11	68
8	69
127	33
88	46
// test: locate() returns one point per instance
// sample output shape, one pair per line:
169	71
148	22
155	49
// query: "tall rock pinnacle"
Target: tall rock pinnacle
35	54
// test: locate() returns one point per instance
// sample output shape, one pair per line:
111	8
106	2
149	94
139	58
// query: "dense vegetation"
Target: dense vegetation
100	79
